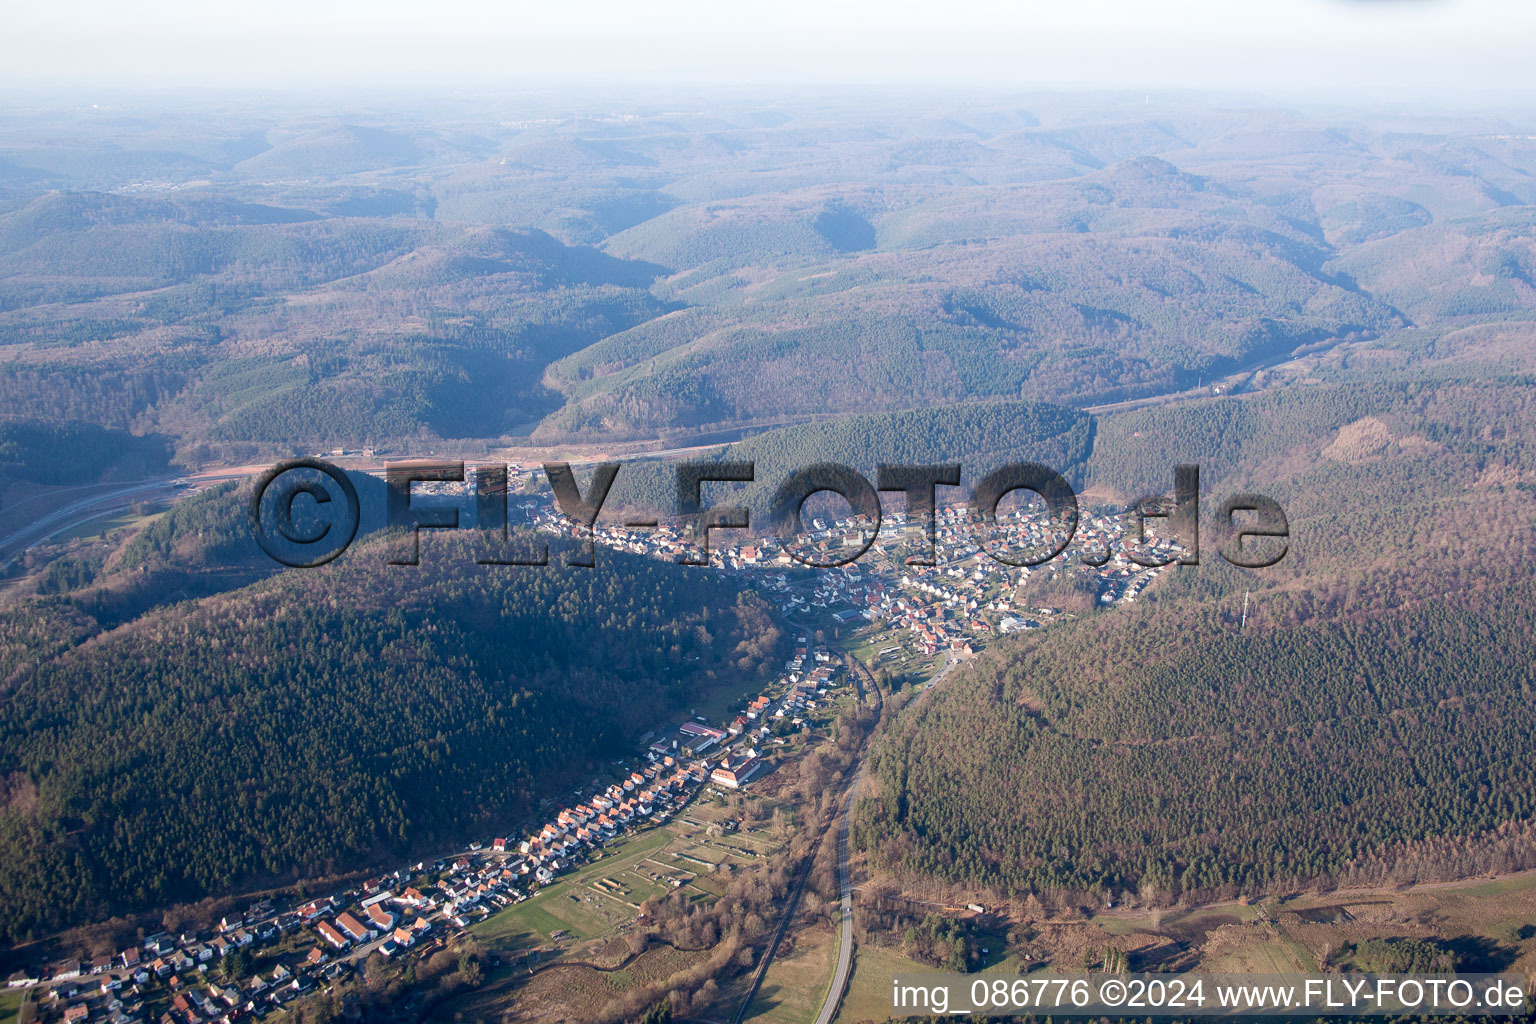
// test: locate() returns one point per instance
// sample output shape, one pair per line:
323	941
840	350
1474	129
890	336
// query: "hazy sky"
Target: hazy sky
1272	45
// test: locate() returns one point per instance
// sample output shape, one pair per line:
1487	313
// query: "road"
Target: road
60	520
95	501
778	935
840	977
67	517
844	868
845	909
1248	371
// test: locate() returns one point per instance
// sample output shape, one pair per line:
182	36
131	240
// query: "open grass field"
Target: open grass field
524	925
1260	955
869	989
10	1006
867	644
571	904
1489	925
1195	921
796	983
581	919
107	523
723	701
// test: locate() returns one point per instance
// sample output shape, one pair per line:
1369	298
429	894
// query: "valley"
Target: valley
752	791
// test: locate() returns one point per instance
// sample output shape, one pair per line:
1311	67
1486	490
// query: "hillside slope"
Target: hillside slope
1370	723
319	721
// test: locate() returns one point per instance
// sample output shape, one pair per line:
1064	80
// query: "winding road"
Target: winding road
98	499
51	524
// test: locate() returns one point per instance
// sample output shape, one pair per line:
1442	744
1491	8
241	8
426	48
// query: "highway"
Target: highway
99	499
81	510
87	508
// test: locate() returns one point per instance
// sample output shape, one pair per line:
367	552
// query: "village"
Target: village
949	608
258	962
883	609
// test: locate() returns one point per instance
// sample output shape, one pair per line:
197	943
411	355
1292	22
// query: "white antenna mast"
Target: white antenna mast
1245	612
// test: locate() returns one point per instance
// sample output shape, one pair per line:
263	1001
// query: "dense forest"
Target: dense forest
1176	759
1368	724
75	452
978	435
326	719
1284	440
488	309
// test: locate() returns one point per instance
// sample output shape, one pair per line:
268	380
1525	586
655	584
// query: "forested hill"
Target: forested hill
1284	440
202	545
1179	759
323	720
75	452
979	436
983	434
1360	713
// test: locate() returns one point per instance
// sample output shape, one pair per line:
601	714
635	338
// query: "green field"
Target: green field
724	702
1522	883
1117	924
605	894
1273	956
796	983
869	990
522	925
10	1005
866	645
552	910
104	524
